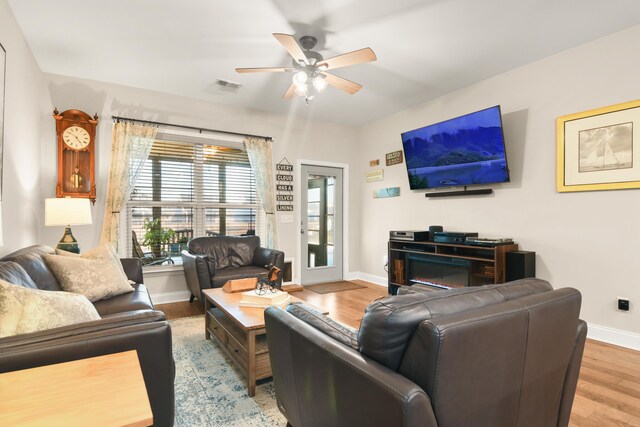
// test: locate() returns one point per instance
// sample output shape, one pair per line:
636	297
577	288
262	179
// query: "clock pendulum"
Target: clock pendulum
76	178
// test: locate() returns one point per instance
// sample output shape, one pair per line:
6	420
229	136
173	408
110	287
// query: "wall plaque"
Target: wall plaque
394	158
386	192
284	192
375	175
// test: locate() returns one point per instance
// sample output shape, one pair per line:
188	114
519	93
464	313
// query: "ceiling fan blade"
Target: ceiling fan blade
265	70
292	46
342	83
290	93
352	58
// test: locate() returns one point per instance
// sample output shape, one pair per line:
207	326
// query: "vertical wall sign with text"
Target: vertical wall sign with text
284	186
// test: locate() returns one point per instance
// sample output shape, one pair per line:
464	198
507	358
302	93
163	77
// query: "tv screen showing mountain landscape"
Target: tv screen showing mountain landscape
467	150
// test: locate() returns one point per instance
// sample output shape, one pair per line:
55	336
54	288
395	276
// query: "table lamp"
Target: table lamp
67	212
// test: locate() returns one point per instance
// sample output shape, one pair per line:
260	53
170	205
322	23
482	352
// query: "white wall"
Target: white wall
296	136
25	109
585	240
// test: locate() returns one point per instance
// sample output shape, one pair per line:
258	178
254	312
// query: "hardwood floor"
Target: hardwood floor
608	392
177	310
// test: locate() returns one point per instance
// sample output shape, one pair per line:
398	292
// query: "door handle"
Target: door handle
302	231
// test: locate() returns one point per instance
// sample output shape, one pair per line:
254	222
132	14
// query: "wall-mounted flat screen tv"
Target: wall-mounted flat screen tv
467	150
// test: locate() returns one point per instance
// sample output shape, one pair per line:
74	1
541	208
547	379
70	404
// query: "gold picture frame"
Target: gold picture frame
599	149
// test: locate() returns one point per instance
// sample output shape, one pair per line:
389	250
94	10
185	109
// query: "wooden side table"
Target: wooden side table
99	391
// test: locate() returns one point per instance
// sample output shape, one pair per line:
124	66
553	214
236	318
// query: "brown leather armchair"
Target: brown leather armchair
212	261
501	355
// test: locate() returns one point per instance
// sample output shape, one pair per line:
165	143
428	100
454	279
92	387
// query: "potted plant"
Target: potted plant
155	236
183	242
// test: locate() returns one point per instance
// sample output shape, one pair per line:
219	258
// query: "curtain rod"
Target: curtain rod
117	118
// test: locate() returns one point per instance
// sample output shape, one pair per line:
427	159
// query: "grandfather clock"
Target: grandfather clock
76	134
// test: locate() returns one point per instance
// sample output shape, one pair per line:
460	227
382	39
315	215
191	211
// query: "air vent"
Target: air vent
228	86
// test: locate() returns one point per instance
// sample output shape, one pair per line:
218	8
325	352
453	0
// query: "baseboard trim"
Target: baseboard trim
614	336
358	275
169	297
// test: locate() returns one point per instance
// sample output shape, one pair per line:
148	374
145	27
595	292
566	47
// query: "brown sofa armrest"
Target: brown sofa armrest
343	334
264	257
145	331
571	376
133	269
197	272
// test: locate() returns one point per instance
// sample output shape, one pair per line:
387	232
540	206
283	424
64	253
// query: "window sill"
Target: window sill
162	270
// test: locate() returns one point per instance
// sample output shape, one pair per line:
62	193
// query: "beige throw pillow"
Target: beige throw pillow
24	310
96	279
103	252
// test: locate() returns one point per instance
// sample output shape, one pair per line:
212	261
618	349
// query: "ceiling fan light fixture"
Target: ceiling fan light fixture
310	68
301	89
319	83
300	78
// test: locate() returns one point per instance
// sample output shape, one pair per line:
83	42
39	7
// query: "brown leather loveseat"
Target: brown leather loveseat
212	261
129	322
495	356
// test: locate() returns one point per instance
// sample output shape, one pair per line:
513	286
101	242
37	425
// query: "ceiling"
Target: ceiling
425	48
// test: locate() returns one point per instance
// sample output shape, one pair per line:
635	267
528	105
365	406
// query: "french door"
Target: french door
321	224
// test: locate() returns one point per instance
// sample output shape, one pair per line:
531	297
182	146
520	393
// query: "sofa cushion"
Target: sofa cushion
31	259
139	299
13	272
223	276
104	252
226	251
388	324
24	310
95	279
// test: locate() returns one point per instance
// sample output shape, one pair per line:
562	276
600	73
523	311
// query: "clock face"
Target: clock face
76	137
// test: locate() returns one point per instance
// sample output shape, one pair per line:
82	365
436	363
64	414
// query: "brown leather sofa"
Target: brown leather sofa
500	355
211	261
129	322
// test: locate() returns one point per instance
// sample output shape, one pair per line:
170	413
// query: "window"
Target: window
195	190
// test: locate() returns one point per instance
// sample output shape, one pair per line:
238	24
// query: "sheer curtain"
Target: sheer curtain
129	151
260	156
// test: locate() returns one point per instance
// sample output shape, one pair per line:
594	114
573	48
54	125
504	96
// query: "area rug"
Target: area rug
327	288
209	390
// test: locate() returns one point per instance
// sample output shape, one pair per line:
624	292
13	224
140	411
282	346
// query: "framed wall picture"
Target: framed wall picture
599	149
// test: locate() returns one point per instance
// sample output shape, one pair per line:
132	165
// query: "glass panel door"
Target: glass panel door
321	224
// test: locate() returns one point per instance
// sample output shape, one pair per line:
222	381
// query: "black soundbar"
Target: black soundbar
459	193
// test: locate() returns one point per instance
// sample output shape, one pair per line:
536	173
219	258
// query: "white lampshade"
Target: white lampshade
67	211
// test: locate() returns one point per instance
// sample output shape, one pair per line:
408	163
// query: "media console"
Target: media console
445	265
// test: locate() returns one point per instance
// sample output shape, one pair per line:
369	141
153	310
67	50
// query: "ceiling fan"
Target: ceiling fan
310	68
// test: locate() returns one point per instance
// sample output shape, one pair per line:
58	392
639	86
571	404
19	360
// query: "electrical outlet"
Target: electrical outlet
385	260
623	304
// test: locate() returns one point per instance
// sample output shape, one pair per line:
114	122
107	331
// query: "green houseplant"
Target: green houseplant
155	236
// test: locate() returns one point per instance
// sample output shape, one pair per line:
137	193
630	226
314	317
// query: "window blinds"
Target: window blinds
196	190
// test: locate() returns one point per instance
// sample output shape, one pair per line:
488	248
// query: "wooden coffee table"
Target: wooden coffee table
241	333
